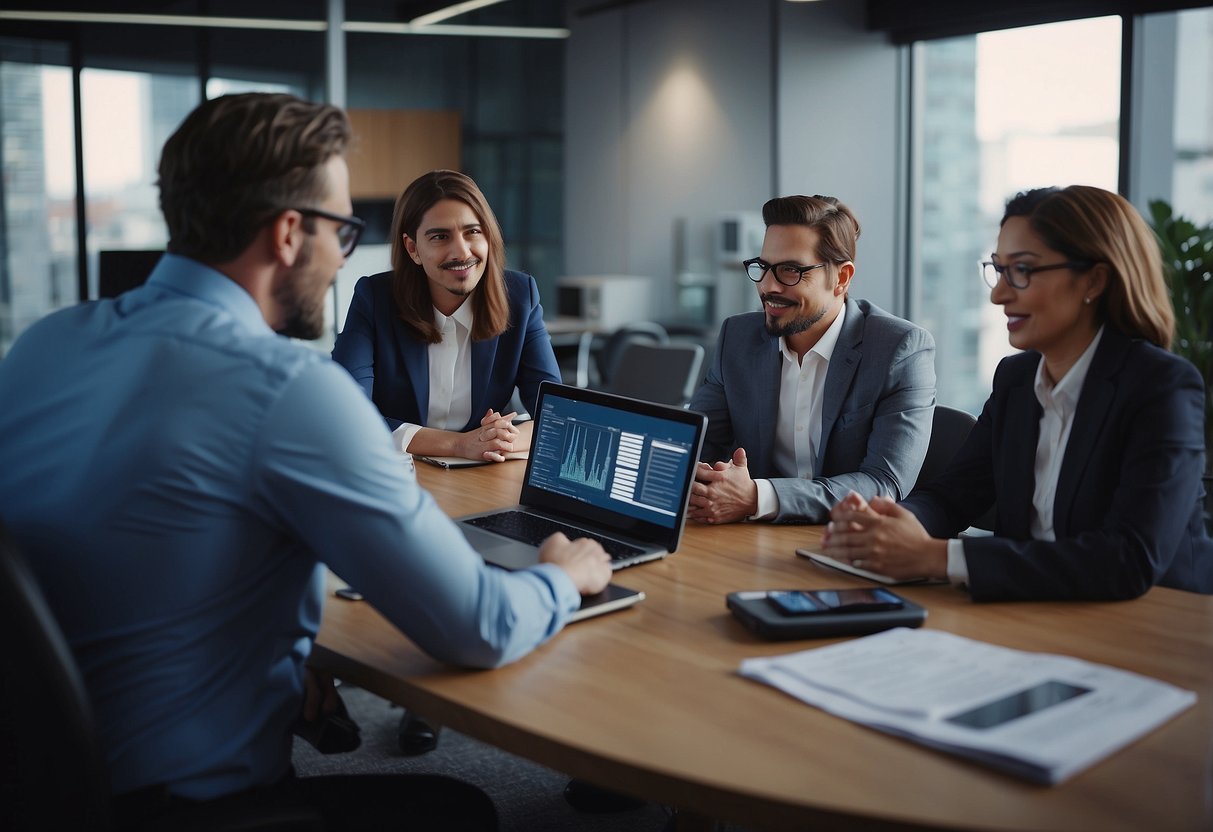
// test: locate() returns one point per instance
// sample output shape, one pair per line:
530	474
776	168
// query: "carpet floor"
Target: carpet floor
528	797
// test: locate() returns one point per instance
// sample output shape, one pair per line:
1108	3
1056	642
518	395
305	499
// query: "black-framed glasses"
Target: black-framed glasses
348	232
1019	275
789	274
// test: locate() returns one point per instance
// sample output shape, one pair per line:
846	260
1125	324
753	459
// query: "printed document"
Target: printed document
1039	716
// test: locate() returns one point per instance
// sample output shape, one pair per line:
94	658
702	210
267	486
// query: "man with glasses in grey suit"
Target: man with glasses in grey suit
818	394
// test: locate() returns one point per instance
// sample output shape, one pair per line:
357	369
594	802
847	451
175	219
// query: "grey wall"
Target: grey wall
668	117
838	126
691	109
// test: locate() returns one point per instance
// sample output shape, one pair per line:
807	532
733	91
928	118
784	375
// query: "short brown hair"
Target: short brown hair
836	227
411	289
236	162
1089	224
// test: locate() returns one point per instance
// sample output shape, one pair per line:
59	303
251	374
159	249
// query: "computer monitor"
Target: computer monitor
120	271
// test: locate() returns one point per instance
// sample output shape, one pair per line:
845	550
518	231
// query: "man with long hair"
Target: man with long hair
441	342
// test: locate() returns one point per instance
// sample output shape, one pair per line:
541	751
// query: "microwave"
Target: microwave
604	302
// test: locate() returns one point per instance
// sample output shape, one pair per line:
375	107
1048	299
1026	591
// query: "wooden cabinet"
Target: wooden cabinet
391	148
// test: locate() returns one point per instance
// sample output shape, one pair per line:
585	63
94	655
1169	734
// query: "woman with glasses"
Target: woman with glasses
1090	447
441	341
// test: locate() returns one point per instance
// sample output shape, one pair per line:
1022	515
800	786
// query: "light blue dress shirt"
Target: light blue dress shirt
176	474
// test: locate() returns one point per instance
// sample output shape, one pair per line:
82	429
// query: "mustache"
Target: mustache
778	299
460	264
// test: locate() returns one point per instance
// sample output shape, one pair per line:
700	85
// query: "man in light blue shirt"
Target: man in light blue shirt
177	473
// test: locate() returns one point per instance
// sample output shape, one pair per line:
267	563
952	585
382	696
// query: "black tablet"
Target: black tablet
781	614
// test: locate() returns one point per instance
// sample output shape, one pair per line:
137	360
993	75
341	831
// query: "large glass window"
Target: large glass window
1192	185
998	113
127	117
38	272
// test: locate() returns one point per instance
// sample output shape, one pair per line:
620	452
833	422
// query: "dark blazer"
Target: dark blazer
876	411
1127	514
392	365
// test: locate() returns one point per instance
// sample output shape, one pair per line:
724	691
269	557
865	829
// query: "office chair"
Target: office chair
664	373
52	771
610	353
949	430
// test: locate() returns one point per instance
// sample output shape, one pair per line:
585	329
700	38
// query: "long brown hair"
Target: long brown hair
1090	224
411	289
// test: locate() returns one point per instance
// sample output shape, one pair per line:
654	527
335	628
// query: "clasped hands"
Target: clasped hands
723	492
492	440
881	536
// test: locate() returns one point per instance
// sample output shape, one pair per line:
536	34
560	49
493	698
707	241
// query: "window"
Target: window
38	271
127	117
1192	182
998	113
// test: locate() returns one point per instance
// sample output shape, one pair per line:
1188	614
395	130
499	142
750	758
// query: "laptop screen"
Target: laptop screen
612	455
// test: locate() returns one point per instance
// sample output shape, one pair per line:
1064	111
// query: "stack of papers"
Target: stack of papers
1038	716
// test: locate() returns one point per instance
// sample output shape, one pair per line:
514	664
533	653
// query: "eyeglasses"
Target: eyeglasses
1019	275
348	232
789	274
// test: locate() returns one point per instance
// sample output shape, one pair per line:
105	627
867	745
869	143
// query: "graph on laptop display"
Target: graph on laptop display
620	461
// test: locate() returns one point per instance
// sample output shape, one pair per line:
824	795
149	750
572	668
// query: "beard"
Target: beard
460	291
785	328
301	300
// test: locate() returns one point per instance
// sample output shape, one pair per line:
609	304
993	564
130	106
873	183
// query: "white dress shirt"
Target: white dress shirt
798	423
450	364
1058	402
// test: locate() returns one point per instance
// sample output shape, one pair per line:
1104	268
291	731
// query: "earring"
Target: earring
1087	301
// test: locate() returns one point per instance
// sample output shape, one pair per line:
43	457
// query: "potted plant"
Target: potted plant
1187	259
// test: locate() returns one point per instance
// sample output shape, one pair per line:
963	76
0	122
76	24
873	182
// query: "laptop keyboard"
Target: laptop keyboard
532	529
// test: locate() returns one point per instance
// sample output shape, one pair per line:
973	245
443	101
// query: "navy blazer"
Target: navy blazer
876	409
1127	513
392	365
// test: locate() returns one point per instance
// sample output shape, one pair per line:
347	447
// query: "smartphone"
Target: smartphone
823	601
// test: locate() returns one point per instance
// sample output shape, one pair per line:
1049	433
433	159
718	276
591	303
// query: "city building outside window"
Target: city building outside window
997	113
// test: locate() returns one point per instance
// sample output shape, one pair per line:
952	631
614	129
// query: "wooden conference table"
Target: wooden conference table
648	701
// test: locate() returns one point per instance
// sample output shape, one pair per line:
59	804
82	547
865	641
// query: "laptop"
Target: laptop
603	466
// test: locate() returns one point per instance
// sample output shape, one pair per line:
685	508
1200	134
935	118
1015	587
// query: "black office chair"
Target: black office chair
53	774
664	373
949	430
612	350
52	771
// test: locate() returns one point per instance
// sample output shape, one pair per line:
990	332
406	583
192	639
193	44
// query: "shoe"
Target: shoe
415	735
584	796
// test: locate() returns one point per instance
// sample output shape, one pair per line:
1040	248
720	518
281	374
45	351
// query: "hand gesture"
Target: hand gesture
883	537
492	440
724	492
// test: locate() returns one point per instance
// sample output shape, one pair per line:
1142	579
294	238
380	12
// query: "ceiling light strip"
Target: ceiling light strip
453	29
452	10
287	25
169	20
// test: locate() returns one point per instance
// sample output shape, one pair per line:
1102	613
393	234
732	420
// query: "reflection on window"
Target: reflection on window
1192	186
37	217
999	113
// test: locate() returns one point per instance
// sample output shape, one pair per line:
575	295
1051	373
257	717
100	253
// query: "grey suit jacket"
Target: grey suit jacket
879	399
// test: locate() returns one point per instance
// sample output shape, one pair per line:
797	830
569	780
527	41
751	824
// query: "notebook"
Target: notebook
843	566
604	466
